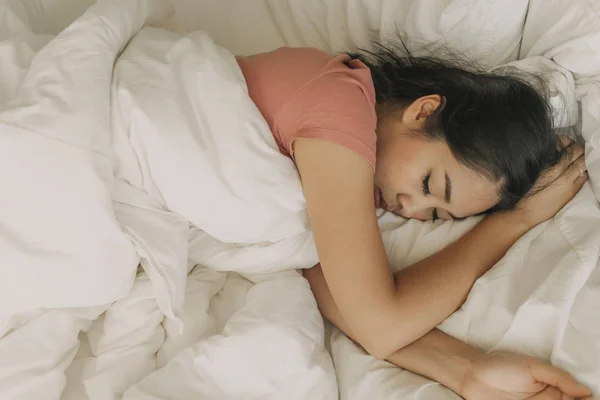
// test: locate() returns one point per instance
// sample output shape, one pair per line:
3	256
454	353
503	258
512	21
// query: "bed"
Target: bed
233	320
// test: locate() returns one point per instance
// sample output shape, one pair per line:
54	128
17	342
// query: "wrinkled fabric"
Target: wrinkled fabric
217	311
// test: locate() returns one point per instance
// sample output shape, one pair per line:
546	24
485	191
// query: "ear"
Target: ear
417	112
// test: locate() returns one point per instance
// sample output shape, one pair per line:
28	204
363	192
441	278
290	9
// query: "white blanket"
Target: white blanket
188	148
175	105
192	149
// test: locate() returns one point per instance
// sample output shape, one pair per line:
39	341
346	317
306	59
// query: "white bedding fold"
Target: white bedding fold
202	147
265	351
127	158
171	136
36	348
55	141
193	150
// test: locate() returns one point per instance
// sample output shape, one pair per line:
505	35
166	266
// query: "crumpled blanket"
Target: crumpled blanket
80	320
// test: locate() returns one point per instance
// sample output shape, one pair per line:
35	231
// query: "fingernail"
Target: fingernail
587	390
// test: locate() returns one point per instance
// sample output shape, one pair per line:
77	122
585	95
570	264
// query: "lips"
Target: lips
378	198
380	202
384	205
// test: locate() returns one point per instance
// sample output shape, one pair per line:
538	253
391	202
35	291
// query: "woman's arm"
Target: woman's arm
338	187
436	355
462	368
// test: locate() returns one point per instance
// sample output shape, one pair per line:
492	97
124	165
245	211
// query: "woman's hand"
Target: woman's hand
502	376
554	189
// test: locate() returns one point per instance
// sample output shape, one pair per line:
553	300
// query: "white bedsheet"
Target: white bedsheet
259	336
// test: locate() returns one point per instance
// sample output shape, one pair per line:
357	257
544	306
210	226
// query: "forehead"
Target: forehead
472	193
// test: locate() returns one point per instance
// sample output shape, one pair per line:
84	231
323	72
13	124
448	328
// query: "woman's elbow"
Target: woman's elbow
379	346
378	353
380	342
371	342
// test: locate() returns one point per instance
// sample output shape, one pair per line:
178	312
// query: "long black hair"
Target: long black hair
498	123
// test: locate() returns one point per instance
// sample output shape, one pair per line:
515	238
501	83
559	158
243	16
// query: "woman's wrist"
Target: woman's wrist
439	357
515	221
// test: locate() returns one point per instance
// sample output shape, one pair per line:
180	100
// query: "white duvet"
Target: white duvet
128	159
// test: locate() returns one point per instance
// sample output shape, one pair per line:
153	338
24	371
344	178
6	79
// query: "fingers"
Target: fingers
572	166
551	393
577	172
565	141
573	152
559	379
579	164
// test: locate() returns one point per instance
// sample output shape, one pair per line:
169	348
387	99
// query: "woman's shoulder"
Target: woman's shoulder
277	75
303	64
294	65
310	93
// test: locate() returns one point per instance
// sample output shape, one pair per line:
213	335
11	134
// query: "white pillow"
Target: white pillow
490	31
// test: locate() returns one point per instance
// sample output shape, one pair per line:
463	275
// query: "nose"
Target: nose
409	209
406	206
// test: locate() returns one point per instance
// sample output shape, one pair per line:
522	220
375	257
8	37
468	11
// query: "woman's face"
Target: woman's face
420	178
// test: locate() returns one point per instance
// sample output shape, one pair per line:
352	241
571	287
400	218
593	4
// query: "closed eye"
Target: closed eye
426	190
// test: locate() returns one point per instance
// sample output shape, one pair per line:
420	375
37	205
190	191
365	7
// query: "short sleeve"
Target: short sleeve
333	107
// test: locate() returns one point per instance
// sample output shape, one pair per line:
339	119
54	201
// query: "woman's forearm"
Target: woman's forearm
435	355
432	289
438	357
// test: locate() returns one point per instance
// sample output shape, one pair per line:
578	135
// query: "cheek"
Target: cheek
394	175
475	196
485	199
400	166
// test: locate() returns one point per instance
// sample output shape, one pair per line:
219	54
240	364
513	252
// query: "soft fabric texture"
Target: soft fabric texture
58	223
255	333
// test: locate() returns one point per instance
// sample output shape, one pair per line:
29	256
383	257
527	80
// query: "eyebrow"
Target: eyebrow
448	194
448	198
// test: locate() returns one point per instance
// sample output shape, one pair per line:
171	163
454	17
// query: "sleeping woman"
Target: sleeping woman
423	138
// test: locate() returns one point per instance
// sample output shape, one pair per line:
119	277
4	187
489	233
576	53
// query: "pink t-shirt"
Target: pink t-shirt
308	93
